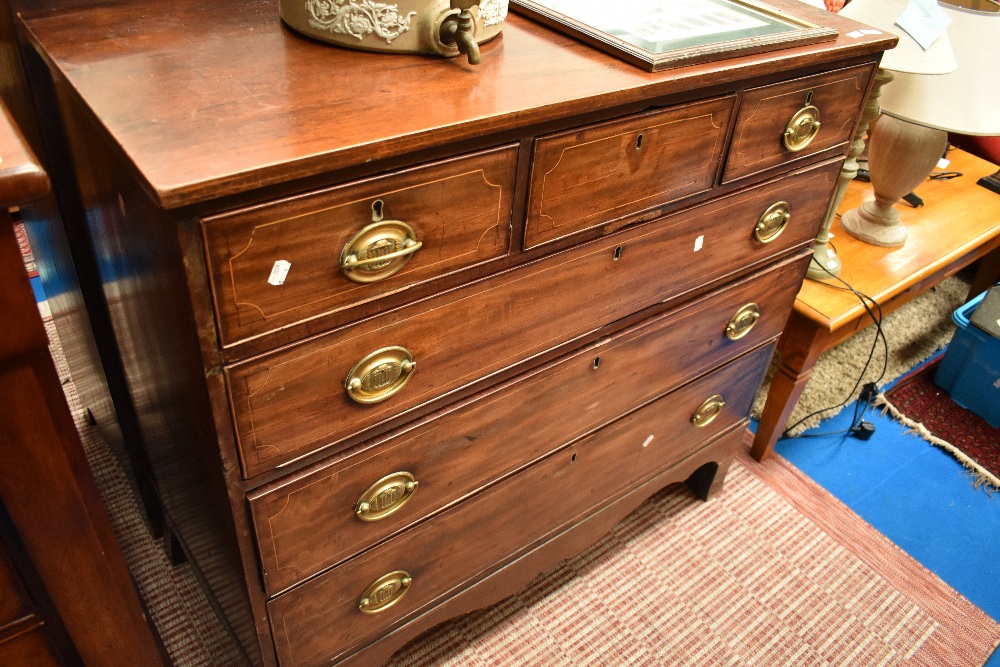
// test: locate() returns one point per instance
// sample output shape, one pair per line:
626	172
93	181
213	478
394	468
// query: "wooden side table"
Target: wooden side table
958	224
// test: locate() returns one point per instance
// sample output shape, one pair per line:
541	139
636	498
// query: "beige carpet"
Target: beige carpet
914	333
773	571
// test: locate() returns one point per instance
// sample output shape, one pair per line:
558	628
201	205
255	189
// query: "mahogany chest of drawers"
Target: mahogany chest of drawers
402	333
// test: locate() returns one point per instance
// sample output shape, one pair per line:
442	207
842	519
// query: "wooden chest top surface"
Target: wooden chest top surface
208	99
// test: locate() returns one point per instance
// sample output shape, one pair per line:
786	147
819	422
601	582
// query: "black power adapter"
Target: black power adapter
864	430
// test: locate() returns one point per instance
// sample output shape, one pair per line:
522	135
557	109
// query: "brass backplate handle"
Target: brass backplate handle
386	496
378	251
772	222
384	592
708	411
380	374
743	321
802	128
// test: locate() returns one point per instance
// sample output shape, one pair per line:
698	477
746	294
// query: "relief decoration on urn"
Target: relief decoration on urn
359	18
493	12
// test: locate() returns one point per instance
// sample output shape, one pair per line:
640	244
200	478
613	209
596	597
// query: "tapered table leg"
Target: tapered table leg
800	346
987	274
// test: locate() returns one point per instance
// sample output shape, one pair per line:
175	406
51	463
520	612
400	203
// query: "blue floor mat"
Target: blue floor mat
914	493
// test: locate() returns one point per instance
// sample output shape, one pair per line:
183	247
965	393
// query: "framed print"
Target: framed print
661	34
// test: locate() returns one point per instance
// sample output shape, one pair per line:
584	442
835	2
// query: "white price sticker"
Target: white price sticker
279	272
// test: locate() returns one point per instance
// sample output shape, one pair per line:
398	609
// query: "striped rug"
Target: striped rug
773	571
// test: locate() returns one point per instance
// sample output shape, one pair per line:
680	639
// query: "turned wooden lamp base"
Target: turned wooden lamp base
900	156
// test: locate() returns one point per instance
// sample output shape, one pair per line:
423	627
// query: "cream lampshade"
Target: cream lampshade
918	110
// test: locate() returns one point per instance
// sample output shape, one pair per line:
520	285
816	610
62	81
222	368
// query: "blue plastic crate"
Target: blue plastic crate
970	369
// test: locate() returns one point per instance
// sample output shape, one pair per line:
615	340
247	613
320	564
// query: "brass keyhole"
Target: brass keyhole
618	253
638	142
378	210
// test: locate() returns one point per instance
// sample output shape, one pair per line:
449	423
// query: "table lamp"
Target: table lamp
919	110
907	56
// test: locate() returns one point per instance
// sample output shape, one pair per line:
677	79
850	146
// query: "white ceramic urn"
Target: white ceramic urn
443	27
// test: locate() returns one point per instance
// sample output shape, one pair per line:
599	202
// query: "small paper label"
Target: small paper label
648	440
856	34
943	163
871	31
924	20
279	272
698	243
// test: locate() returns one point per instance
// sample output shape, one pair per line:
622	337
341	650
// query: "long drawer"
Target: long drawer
316	519
359	599
285	262
309	396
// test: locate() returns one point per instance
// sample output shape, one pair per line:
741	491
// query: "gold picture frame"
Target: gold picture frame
663	34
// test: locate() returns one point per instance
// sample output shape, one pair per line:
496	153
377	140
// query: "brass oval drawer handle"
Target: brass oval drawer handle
386	496
380	374
772	222
743	321
802	128
384	592
378	251
708	411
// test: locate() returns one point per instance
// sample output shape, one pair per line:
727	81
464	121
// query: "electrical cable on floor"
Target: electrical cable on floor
859	427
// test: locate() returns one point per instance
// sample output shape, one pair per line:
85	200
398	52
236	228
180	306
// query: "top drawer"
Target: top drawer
817	112
590	176
278	264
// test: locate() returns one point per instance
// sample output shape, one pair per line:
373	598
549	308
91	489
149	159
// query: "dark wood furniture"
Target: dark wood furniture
66	596
401	332
56	226
958	224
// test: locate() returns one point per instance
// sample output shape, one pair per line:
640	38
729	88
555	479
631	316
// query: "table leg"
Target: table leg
800	346
987	273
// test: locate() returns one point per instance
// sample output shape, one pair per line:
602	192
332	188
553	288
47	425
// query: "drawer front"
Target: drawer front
591	176
767	113
279	264
309	523
321	618
293	402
